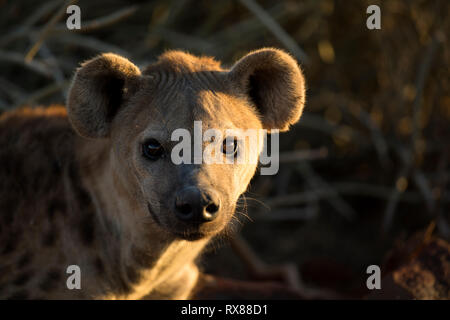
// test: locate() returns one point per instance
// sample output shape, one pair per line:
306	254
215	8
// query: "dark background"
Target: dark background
373	168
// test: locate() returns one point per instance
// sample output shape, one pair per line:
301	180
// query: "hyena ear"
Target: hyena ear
274	83
100	87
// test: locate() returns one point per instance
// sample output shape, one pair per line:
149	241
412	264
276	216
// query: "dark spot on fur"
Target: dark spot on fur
57	206
4	270
10	245
87	228
132	274
8	216
112	228
23	278
8	207
73	172
24	260
50	280
87	219
141	257
99	266
83	197
57	167
18	295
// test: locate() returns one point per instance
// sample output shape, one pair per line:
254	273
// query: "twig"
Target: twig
42	93
424	187
408	155
294	198
291	214
442	225
90	43
343	188
249	29
257	268
11	90
295	156
317	182
36	66
46	29
245	26
177	39
176	8
363	117
393	201
48	56
87	26
443	177
3	105
276	30
315	122
101	22
377	138
43	10
420	84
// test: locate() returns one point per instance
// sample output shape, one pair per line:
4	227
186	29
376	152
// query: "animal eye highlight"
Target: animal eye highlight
152	149
230	147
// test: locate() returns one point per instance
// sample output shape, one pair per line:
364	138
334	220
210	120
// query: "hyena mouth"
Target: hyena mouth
190	235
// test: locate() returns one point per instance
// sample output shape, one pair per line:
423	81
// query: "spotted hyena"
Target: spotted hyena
93	184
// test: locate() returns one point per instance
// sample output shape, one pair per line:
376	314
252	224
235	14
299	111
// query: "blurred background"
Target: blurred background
364	171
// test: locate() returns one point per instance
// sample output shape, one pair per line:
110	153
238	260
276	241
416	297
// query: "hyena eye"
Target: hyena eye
230	147
152	149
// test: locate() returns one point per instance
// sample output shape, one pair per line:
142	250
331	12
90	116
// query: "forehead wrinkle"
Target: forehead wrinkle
203	81
171	88
171	106
153	119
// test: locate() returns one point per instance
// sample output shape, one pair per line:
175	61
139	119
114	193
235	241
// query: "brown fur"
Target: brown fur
90	199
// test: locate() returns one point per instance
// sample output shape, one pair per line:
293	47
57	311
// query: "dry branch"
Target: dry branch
300	155
317	182
276	30
101	22
46	30
18	58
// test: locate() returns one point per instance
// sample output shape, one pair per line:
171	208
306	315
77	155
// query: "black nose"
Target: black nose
195	205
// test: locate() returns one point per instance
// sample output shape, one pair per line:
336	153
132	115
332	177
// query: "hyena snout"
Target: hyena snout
196	205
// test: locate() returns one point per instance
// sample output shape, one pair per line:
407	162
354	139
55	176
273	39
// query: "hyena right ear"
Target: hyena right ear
274	84
99	88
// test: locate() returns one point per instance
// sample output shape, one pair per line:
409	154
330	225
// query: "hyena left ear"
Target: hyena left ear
274	83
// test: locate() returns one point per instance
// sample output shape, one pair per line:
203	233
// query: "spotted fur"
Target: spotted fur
75	190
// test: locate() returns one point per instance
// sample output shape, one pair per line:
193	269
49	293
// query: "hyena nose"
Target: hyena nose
195	205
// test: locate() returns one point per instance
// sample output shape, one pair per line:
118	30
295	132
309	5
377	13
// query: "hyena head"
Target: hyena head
144	118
